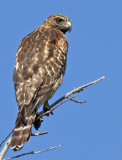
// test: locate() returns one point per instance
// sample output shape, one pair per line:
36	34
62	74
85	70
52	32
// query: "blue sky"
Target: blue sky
91	131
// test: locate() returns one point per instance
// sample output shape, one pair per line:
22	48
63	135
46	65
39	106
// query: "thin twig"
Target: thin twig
6	138
42	113
76	90
79	89
7	145
39	133
32	152
76	100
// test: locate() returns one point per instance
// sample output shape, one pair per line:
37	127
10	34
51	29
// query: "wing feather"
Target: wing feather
39	64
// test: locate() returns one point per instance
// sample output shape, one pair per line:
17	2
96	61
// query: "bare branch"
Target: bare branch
42	113
76	90
39	133
32	152
76	100
4	150
7	145
79	89
6	138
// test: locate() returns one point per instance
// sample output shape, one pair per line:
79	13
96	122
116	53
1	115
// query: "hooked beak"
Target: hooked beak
69	26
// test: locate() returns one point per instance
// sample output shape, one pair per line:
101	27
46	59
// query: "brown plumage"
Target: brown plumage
40	66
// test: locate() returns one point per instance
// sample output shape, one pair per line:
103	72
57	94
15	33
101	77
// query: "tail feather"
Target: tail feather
21	133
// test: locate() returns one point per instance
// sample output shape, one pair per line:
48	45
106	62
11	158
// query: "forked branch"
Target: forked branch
66	96
56	104
33	152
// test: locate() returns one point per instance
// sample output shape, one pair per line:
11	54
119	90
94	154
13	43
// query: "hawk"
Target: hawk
40	67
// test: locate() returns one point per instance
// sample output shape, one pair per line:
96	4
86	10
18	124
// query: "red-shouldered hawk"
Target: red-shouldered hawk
40	67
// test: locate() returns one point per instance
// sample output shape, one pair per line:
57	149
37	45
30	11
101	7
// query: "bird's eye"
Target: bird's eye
58	20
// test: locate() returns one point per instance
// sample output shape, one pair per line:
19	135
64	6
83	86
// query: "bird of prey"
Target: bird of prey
40	67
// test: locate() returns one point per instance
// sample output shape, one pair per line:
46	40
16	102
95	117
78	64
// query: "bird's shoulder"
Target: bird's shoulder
35	49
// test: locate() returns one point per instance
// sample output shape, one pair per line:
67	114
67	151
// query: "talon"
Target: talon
38	122
52	112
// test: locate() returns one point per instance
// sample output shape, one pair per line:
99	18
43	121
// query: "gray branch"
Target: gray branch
56	104
59	101
32	152
4	150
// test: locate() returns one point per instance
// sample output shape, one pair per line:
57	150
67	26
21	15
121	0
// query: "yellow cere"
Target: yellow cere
68	23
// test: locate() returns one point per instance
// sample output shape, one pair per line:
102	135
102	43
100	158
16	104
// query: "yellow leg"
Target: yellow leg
46	107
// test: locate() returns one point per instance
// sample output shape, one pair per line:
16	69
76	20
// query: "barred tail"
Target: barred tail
21	133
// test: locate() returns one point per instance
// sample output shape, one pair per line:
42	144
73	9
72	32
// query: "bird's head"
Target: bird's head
60	22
